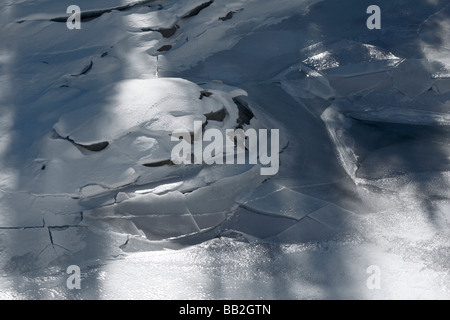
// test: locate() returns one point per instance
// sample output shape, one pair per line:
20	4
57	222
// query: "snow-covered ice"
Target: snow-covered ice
87	179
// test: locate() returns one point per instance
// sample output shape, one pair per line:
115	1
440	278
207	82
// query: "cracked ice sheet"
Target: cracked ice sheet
207	28
411	254
138	133
226	269
436	42
23	210
24	250
159	106
411	260
350	67
287	216
271	199
393	128
348	58
412	77
177	215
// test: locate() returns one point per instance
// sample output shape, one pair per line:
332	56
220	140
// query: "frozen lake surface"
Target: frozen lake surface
87	177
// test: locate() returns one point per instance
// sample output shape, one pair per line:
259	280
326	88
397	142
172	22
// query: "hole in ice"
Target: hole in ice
159	164
228	16
166	47
95	147
198	9
205	93
165	32
245	114
89	15
85	70
217	115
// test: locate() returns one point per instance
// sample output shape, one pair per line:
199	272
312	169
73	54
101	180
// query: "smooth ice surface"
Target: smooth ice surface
86	176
